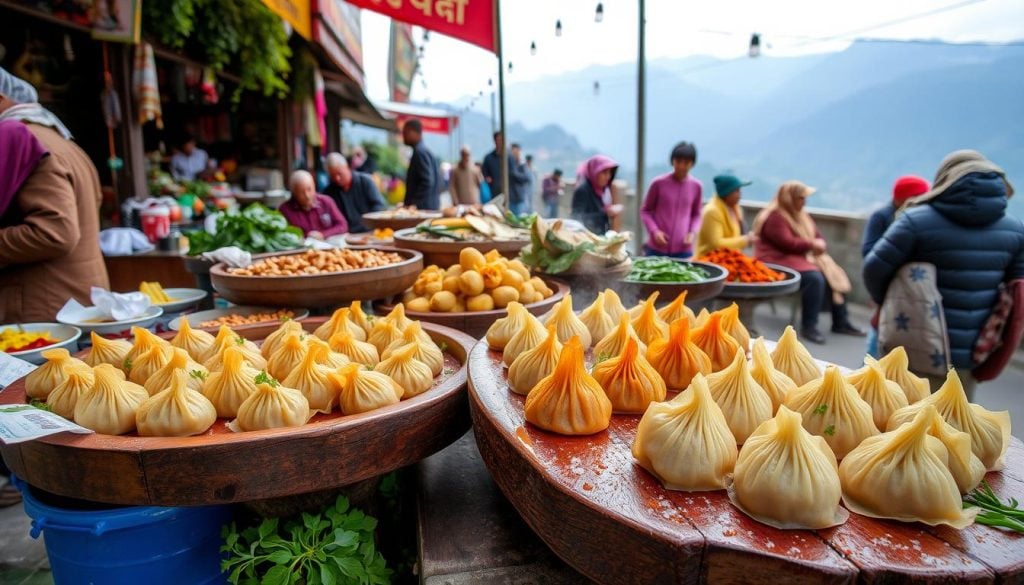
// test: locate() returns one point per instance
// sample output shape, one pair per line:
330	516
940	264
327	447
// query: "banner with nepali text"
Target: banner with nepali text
473	21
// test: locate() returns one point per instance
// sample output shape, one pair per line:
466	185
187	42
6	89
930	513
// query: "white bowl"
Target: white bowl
182	298
66	335
196	319
113	327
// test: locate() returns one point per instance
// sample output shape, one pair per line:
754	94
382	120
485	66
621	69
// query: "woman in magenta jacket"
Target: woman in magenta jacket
672	208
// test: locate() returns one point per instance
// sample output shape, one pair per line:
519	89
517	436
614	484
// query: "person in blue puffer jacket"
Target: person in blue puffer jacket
961	227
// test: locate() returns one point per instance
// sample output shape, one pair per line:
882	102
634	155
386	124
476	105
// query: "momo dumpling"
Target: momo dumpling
384	333
329	357
228	388
613	343
786	477
287	357
686	442
42	380
273	341
225	338
638	308
774	382
677	358
719	346
144	340
252	357
896	366
312	379
271	406
532	365
62	400
596	319
162	378
965	466
677	309
107	351
502	330
734	327
743	402
792	358
148	364
426	351
195	342
397	317
831	408
567	324
408	372
360	352
178	411
339	320
701	318
629	380
648	325
362	390
529	336
357	316
989	431
613	305
569	401
110	406
883	396
903	475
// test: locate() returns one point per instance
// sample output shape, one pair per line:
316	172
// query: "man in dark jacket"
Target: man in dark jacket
354	193
423	178
962	228
491	168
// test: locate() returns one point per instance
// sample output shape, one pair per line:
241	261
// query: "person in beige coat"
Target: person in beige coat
49	233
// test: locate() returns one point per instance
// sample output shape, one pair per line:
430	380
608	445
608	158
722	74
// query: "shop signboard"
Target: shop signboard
295	13
473	21
402	62
433	124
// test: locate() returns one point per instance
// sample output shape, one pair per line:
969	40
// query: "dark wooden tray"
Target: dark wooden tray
613	521
708	288
220	466
445	254
380	220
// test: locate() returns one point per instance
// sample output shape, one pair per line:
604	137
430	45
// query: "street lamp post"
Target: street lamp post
641	119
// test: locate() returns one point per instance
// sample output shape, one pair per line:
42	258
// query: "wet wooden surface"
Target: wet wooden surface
220	466
615	523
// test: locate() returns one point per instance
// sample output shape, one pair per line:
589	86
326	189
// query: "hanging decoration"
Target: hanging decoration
144	86
599	13
533	47
558	28
755	45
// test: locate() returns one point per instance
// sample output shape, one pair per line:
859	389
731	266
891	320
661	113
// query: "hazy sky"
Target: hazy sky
675	28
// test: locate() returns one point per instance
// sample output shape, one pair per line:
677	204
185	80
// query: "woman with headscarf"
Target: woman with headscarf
49	231
721	224
962	228
787	235
592	200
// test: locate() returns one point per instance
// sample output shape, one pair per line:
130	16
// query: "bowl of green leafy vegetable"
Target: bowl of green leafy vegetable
255	229
670	277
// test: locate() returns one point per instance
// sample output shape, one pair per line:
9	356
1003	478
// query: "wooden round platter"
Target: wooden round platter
475	324
220	466
385	219
615	523
763	290
445	254
319	290
695	291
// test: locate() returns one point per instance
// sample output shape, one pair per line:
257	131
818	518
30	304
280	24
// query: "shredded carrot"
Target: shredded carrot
742	268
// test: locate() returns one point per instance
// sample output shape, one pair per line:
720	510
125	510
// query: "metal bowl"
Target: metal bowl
708	288
764	290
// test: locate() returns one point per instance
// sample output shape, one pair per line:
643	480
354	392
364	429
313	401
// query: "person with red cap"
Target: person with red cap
903	189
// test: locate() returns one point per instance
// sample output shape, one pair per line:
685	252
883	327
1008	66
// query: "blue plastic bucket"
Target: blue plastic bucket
129	546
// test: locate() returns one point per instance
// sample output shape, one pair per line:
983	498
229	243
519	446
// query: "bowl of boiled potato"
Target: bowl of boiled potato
474	293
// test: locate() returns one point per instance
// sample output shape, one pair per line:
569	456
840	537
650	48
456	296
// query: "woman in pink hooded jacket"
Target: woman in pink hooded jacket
671	211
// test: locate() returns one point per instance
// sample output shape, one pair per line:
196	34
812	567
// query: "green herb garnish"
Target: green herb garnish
993	511
264	378
830	430
198	375
822	409
603	357
447	371
40	404
254	229
443	347
126	365
239	340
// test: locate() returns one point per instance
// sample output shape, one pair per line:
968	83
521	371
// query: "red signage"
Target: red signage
472	21
430	123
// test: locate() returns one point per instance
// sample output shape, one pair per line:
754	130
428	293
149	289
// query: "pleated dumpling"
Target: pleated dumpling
329	357
252	357
426	351
596	319
613	305
143	341
629	380
148	364
792	358
195	342
179	360
383	334
271	406
273	341
638	308
110	406
80	379
569	401
686	442
896	365
42	380
774	382
743	402
989	431
339	320
408	372
567	324
361	390
529	336
228	388
677	309
502	330
648	325
360	352
883	396
613	343
788	478
397	317
178	411
719	346
701	318
287	357
356	314
311	378
733	326
107	351
903	475
965	466
831	408
226	337
532	365
677	358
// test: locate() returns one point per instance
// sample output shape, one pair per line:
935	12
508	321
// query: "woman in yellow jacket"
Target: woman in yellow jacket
721	223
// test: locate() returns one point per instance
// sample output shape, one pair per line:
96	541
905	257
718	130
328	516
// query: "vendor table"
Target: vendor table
167	268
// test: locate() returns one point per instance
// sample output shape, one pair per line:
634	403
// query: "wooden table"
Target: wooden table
167	268
613	521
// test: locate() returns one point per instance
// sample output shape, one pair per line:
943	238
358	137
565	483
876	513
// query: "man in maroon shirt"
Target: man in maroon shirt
316	215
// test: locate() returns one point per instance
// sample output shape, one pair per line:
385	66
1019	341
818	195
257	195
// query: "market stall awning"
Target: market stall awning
295	13
356	107
434	120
